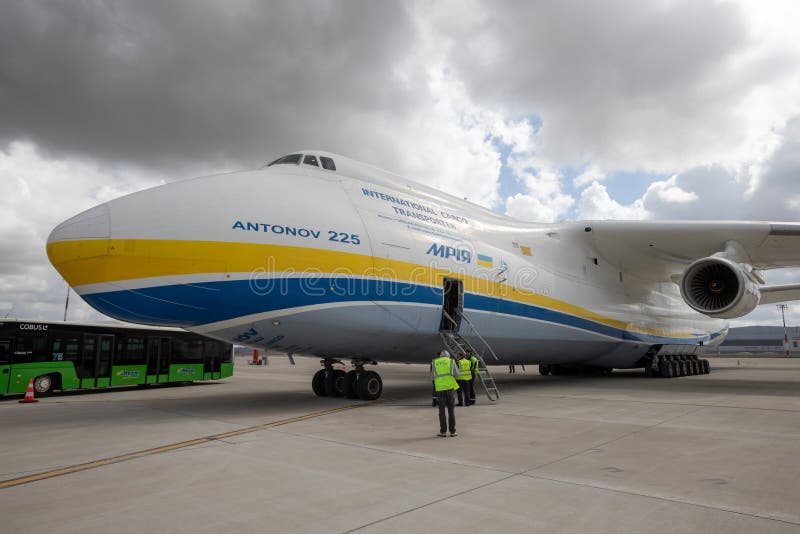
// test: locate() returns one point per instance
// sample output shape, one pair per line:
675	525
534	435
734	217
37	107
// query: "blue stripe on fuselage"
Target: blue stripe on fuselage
186	305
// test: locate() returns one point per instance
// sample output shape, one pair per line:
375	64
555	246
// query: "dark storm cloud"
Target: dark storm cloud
155	83
615	82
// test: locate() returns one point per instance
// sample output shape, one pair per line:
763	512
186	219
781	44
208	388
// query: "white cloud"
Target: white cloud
592	174
670	193
543	200
596	204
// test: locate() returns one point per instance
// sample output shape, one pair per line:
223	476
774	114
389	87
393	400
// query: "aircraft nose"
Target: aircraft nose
94	223
77	245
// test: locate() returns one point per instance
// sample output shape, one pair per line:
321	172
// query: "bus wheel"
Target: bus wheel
43	385
318	383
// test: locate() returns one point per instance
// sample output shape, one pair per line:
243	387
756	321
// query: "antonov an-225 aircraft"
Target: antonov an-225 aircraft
319	255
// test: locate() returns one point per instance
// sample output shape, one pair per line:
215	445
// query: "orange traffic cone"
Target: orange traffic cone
29	393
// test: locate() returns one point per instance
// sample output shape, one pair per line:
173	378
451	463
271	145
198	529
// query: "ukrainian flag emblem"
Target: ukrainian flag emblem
485	261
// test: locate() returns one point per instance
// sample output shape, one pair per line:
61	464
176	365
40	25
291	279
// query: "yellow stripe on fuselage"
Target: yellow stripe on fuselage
94	261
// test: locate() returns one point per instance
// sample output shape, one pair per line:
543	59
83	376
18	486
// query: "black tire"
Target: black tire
545	369
351	385
682	368
44	385
706	367
334	383
318	383
696	367
664	369
370	385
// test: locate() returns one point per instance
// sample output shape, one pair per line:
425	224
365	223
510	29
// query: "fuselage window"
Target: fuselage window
293	159
327	163
311	160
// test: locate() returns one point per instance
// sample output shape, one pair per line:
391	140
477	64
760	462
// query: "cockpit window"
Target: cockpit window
311	160
327	163
291	158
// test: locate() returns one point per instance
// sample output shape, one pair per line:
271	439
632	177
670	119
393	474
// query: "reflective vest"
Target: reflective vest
474	365
443	379
464	372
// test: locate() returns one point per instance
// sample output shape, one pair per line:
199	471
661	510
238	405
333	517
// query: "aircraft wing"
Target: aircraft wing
660	249
772	294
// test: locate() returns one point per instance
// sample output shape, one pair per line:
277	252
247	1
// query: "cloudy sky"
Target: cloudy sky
542	110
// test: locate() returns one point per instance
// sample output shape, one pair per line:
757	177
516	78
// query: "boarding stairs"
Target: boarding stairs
463	337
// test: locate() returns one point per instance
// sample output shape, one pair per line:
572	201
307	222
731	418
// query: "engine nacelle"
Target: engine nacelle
719	288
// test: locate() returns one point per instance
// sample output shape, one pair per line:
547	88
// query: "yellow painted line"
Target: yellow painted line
174	446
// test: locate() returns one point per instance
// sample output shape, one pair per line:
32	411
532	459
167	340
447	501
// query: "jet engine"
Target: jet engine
719	287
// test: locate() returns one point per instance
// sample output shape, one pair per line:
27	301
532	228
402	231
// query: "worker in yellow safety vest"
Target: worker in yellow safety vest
443	374
473	366
463	378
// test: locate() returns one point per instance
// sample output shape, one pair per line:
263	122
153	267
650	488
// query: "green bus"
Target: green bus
73	356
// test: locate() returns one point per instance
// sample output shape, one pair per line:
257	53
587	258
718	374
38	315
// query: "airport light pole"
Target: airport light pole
783	308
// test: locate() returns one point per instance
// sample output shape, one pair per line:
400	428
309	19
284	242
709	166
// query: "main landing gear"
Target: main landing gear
670	366
355	384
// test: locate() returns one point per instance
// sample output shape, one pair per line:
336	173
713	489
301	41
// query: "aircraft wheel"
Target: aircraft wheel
664	369
544	369
370	385
43	385
706	367
318	383
334	383
682	368
351	385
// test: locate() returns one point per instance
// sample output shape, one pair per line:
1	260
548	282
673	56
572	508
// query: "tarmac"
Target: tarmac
258	452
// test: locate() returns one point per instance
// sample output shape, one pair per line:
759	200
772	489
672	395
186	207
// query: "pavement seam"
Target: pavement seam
396	452
656	497
421	506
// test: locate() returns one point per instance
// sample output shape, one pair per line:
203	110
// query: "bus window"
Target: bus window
86	367
133	353
5	351
187	351
226	351
32	349
66	349
216	352
104	356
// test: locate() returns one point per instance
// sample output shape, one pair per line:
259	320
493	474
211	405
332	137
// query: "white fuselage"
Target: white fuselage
351	263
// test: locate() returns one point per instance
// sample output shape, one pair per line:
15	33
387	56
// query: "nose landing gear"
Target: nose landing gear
354	384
